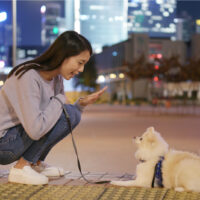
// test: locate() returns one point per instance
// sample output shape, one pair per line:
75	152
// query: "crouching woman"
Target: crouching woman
31	121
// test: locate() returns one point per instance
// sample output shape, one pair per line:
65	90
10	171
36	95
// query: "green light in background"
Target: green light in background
55	30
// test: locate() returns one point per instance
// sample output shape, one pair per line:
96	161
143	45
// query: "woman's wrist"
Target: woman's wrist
79	105
81	102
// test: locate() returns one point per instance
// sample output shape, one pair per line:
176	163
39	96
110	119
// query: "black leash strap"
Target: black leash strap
74	144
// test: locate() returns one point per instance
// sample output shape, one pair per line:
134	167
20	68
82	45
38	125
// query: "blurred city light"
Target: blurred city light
159	55
101	79
114	53
1	83
121	75
155	79
3	16
43	9
2	64
154	56
55	30
165	14
156	67
198	22
6	70
112	76
159	1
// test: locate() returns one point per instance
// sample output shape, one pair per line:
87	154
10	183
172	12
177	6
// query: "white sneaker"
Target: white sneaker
26	175
48	170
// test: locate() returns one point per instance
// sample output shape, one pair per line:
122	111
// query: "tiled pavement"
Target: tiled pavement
74	178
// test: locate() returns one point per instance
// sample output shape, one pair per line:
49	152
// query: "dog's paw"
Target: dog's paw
179	189
115	182
122	183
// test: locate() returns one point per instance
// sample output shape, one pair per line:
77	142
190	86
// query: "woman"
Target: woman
31	121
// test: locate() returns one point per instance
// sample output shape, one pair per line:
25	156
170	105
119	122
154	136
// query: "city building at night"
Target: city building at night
51	17
111	63
195	47
6	43
69	14
102	22
105	23
155	18
185	28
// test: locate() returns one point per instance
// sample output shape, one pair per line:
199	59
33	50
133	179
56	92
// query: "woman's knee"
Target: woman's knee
7	157
74	115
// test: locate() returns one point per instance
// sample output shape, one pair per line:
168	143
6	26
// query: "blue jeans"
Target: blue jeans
16	143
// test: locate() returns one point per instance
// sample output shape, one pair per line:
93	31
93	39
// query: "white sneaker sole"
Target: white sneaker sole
18	176
53	172
19	179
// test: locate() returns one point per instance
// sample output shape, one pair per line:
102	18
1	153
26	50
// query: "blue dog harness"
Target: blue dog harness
157	177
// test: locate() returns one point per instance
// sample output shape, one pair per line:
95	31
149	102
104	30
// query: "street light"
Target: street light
121	75
2	64
112	76
3	16
1	83
101	79
43	9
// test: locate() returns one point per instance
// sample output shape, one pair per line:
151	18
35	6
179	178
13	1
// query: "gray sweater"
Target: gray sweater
27	101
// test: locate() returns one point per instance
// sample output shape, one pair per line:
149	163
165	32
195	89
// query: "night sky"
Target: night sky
29	16
190	6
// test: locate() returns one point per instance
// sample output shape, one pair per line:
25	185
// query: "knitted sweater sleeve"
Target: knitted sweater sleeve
25	99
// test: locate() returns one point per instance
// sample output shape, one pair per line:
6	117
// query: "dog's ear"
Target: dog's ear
151	129
151	137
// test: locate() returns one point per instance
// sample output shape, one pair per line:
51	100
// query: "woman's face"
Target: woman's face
73	65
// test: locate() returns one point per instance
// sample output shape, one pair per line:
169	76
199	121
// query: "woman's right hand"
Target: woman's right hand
90	99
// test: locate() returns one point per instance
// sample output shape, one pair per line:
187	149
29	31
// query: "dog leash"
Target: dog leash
74	145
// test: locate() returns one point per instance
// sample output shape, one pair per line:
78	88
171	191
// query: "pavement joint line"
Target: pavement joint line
68	181
78	180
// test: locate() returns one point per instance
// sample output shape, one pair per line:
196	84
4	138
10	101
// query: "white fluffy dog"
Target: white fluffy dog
160	166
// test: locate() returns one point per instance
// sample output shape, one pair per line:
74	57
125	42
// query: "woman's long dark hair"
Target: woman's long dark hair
68	44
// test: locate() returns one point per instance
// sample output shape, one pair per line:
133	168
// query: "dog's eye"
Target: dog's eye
141	139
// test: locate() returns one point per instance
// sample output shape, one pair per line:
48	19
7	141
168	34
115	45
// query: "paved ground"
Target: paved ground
104	139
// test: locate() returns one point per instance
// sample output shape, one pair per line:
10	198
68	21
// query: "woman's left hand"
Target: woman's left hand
84	101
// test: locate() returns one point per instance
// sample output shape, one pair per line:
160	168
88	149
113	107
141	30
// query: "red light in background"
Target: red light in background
159	55
156	67
155	79
154	56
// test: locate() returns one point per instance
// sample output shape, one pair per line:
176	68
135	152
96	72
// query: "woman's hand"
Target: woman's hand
84	101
